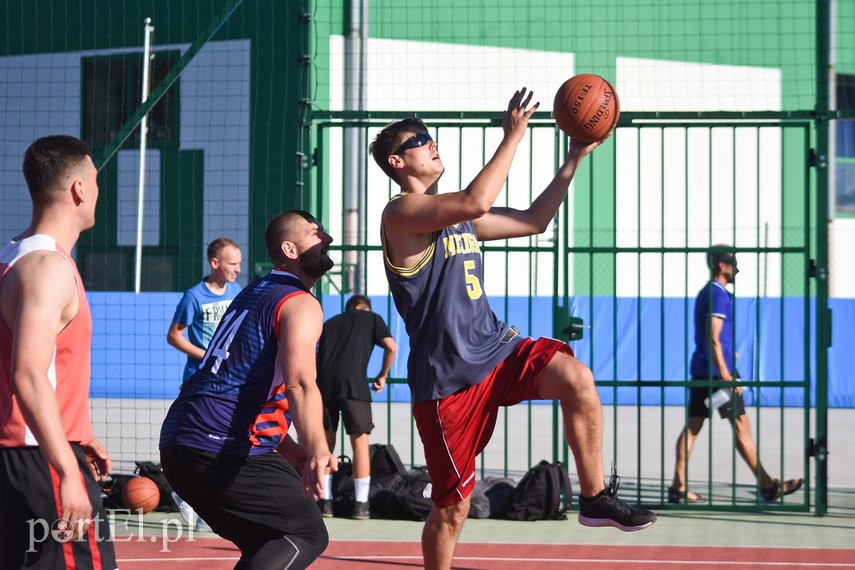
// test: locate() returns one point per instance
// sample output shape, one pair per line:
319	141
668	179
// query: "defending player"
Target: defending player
220	438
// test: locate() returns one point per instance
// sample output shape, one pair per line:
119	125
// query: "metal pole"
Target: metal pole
823	314
148	31
352	155
362	150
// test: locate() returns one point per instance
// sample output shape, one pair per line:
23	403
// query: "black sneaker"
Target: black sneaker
360	511
326	508
605	509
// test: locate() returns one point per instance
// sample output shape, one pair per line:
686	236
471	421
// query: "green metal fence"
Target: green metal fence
643	210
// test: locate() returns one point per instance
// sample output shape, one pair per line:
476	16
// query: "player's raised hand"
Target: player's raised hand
515	119
580	149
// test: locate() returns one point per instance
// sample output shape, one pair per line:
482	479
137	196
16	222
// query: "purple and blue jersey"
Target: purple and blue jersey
235	402
455	338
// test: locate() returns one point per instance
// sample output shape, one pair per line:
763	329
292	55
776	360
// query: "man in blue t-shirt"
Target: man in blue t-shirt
199	312
202	306
714	358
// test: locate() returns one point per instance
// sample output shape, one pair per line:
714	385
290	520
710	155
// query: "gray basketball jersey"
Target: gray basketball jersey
455	338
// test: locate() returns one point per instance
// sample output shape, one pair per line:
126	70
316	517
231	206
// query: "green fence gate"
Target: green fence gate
620	266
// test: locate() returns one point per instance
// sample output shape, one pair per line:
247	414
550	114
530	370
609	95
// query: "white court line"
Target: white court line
608	561
182	559
544	560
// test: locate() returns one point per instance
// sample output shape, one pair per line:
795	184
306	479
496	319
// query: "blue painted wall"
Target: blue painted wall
131	359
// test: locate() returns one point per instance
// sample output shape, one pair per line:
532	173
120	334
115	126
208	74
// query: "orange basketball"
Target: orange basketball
140	493
586	108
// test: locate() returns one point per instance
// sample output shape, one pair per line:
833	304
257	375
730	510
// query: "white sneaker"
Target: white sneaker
186	510
202	526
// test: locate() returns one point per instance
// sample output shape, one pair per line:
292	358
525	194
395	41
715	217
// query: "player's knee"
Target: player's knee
320	543
310	548
567	378
454	515
579	382
584	377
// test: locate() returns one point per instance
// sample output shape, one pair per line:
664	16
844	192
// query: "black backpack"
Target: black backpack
403	496
344	495
538	494
384	461
155	472
490	496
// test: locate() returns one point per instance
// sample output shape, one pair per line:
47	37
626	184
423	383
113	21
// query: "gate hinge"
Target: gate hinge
816	160
818	451
816	271
302	161
572	328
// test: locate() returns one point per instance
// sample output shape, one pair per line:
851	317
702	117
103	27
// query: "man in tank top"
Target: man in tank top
49	459
464	362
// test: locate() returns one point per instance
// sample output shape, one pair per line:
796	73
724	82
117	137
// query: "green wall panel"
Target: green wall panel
182	195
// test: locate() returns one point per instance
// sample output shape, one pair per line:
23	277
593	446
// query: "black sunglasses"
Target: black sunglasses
415	141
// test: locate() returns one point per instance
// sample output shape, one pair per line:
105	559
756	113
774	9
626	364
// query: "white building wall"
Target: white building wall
665	179
40	96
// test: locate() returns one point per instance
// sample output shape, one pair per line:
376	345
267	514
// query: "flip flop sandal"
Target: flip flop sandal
778	489
677	497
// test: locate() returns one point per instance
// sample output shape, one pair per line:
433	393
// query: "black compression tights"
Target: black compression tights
285	553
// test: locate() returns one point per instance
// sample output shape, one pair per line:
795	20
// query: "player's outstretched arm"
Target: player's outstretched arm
300	325
423	212
504	223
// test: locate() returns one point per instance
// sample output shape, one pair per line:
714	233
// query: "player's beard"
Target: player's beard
315	265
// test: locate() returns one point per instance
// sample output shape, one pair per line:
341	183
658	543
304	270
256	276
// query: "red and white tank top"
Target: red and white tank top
69	371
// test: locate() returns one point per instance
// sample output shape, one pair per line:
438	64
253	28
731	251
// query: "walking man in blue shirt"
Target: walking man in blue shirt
714	358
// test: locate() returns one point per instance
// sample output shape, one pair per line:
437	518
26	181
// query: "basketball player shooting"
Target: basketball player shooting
465	363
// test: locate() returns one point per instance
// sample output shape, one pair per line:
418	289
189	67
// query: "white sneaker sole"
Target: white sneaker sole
586	521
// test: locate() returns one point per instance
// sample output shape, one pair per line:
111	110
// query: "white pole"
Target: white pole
352	156
148	31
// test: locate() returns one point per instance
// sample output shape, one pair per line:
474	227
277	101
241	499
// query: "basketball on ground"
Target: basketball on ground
586	108
140	493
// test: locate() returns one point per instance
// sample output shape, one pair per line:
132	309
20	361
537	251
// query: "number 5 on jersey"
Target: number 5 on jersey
223	337
473	285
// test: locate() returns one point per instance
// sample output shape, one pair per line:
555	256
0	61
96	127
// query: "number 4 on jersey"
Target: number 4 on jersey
223	337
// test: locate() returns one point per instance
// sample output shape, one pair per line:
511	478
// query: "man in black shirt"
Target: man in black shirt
343	352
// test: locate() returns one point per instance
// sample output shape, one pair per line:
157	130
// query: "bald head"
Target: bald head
286	226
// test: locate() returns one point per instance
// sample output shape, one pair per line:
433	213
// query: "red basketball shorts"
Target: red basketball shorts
457	428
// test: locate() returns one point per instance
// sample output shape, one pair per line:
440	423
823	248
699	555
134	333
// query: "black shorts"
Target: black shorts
355	413
248	500
733	408
29	513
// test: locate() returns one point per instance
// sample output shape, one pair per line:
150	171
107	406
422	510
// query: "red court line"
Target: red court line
219	554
